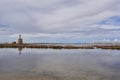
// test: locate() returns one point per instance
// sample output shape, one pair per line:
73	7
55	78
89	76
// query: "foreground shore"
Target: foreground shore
53	46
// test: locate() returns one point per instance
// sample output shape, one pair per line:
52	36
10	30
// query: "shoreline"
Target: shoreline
53	46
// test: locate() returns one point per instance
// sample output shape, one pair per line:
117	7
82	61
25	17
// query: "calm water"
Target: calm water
50	64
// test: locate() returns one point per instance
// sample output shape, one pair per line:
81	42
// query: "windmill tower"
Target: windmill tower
20	41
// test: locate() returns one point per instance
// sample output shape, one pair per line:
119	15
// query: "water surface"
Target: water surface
63	64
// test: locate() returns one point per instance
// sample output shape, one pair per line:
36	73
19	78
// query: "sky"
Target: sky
60	21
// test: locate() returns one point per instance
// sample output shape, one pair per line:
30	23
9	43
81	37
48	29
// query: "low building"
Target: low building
13	42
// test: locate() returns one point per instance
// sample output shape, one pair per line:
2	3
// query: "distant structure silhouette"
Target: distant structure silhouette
20	41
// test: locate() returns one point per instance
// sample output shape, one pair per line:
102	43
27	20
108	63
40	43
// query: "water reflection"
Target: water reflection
20	50
49	64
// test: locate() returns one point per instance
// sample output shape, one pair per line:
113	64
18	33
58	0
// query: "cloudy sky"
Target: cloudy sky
62	21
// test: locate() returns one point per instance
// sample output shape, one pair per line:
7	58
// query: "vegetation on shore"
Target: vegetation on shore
52	46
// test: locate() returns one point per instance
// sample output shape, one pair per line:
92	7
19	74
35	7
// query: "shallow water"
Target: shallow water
51	64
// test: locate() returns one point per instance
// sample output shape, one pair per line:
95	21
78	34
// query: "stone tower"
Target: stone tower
20	41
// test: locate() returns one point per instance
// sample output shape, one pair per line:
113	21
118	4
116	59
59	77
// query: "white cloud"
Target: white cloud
58	18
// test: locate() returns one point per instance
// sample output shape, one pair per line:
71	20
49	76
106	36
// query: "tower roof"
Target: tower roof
20	36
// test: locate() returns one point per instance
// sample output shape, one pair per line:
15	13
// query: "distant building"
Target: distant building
20	41
13	42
